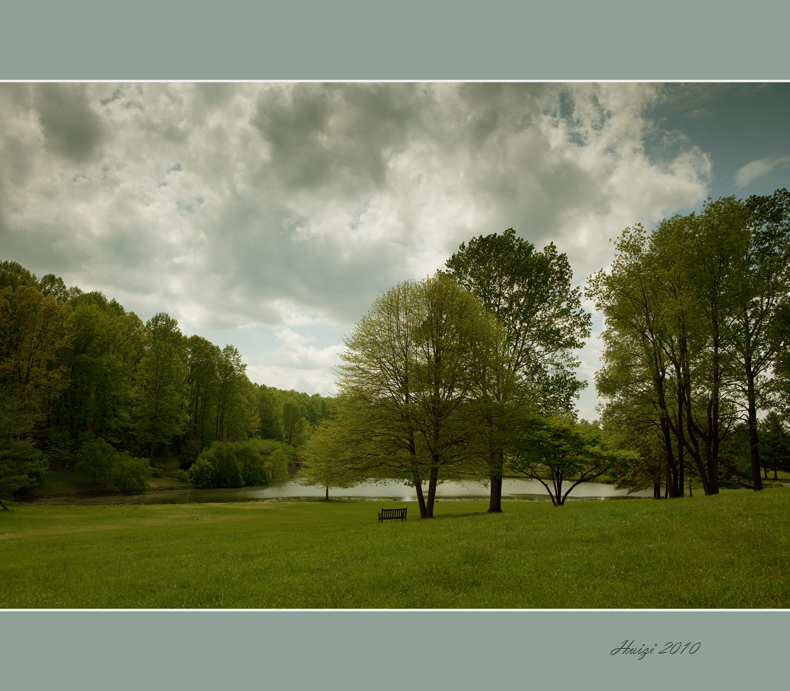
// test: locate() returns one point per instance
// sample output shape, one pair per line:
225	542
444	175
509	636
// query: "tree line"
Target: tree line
697	344
84	383
456	376
470	373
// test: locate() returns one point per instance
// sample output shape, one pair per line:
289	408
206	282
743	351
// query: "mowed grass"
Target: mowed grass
726	551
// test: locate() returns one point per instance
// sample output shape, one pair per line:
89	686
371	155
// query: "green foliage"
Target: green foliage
100	366
76	367
556	450
179	474
236	410
222	455
264	460
691	334
130	474
34	331
780	339
775	443
410	383
233	464
21	467
326	461
119	470
96	460
530	294
202	473
269	413
13	274
160	391
292	423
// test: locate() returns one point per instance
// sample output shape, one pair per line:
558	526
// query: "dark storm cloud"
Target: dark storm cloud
337	136
70	124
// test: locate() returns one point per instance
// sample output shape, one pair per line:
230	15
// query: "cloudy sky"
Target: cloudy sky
270	215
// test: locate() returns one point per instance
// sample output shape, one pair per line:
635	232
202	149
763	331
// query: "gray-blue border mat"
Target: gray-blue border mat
79	40
409	39
390	650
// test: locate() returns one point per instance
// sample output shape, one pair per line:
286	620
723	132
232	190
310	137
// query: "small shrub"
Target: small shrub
21	468
96	460
130	474
180	475
252	465
222	455
279	462
202	474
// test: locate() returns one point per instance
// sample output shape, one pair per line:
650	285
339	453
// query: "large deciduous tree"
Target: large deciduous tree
531	295
410	383
767	291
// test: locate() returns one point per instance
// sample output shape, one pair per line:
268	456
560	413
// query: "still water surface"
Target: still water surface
512	490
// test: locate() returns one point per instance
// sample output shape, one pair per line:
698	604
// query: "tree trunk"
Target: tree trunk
712	447
496	466
681	460
5	508
754	451
420	497
431	492
495	499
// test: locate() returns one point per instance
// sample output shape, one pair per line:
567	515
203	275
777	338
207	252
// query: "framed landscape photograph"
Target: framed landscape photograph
421	360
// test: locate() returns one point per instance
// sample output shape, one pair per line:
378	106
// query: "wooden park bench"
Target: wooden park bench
386	514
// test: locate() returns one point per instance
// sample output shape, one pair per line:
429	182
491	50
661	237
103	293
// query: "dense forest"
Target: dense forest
86	385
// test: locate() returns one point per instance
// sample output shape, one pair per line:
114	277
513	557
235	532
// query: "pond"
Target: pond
293	489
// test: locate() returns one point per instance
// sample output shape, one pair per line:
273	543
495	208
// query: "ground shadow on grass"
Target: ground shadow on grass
442	517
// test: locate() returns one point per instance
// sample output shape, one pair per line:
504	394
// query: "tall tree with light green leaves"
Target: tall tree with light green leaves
160	384
237	414
410	383
531	295
326	463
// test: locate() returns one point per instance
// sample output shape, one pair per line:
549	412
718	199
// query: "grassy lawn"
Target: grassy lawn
727	551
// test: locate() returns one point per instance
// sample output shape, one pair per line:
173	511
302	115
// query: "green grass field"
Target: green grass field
726	551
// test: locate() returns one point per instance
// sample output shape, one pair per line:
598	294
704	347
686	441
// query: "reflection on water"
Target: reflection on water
512	490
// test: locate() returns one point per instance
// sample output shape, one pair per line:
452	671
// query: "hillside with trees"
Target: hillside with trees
87	386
